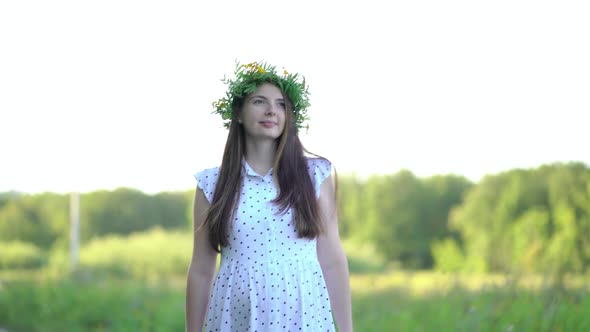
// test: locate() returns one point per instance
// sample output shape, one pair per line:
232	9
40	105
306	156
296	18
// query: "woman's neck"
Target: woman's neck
260	155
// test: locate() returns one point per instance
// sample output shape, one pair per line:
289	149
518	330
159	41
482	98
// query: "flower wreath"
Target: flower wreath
249	76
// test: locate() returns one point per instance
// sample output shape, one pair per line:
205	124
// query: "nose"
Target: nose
271	110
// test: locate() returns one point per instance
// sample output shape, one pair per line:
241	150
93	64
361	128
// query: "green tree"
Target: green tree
534	220
350	211
28	219
398	218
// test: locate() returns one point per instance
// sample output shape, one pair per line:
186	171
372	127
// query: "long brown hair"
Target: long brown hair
296	189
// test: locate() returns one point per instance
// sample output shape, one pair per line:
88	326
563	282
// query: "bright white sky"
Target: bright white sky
104	94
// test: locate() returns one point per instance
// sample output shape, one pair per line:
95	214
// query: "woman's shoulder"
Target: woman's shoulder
208	170
319	169
206	180
316	162
206	173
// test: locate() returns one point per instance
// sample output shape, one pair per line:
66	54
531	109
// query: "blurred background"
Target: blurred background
458	129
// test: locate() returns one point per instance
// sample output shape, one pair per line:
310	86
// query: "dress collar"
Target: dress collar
249	171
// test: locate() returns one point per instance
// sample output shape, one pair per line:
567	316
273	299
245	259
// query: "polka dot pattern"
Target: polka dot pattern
269	279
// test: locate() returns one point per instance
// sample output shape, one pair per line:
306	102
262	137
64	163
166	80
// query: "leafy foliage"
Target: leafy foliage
20	255
528	221
518	221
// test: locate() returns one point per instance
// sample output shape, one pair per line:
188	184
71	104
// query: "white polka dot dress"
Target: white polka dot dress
269	279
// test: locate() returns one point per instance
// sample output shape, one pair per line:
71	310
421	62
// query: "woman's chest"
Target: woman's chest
257	217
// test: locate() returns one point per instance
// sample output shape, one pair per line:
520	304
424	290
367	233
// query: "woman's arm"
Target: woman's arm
201	271
332	258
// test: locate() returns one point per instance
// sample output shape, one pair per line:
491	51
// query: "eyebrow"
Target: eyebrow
263	97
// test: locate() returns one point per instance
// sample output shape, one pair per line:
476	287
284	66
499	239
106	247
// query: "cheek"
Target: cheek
283	119
248	115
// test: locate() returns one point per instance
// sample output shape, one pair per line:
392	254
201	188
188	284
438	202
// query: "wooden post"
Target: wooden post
74	229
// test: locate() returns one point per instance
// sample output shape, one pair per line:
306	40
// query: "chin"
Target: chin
266	136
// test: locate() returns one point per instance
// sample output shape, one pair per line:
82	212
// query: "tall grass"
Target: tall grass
110	305
114	289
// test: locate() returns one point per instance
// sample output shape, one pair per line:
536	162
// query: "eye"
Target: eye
282	104
258	101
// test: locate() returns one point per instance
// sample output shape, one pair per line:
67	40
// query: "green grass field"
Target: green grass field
143	290
381	302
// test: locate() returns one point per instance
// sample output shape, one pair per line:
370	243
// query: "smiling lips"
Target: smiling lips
268	124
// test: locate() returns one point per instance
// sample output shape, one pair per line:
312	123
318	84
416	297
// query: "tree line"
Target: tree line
523	220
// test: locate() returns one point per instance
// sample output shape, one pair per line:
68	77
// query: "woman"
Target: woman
272	214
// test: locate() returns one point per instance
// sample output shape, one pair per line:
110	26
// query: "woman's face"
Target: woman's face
263	113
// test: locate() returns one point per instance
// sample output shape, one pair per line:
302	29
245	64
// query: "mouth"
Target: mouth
268	124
